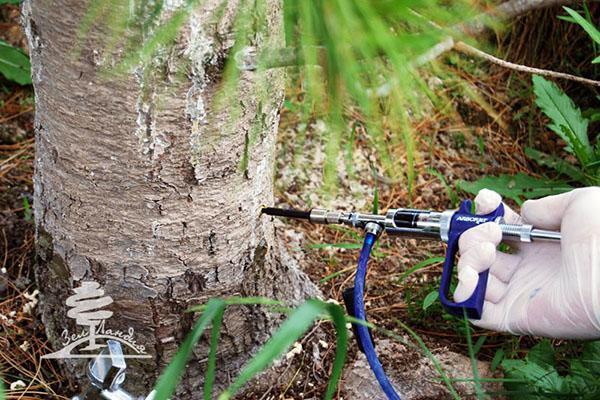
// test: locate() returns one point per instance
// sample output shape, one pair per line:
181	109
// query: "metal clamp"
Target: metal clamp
106	373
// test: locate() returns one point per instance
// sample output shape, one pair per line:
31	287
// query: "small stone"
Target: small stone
297	349
25	346
17	385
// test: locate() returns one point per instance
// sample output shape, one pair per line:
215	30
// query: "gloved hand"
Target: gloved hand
541	288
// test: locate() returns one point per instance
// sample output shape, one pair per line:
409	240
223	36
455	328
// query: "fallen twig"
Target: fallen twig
468	49
507	10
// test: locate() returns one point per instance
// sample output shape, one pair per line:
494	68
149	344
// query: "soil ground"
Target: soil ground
485	136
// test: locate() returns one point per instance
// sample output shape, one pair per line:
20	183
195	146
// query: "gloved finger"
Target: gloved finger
492	317
581	220
468	276
487	201
504	266
479	257
467	281
547	212
495	289
488	232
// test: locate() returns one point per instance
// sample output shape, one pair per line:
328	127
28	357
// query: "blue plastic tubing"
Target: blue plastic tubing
359	309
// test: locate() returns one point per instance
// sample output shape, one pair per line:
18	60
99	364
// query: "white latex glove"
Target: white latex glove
542	288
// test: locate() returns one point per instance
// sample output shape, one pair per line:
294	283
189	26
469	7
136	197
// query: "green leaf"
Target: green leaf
542	353
14	65
430	299
590	357
9	2
581	382
479	343
536	376
566	18
592	114
420	265
27	212
558	164
536	372
335	246
172	374
596	60
565	117
288	105
498	357
530	377
235	300
516	187
585	24
584	154
290	331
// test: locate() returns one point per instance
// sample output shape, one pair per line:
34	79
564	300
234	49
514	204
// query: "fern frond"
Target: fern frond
566	119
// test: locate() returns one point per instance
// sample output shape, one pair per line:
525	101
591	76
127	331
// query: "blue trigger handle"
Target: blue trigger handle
461	221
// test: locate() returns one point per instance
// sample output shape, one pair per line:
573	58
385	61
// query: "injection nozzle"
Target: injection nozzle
285	212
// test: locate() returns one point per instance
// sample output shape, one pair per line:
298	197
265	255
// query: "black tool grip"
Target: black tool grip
348	295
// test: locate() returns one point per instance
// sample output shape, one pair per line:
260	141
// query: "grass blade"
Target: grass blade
339	322
232	301
209	379
172	374
420	265
476	379
336	274
433	359
556	163
585	24
297	323
498	357
479	343
335	246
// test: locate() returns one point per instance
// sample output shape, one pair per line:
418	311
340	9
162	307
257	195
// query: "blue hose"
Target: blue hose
359	310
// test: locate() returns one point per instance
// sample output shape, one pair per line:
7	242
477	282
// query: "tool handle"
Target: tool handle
460	222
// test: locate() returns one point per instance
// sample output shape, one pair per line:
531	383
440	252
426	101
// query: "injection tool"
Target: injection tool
446	226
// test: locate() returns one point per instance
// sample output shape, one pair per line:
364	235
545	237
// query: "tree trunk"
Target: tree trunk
138	187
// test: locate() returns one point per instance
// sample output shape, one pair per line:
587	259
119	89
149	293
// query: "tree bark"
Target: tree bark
138	187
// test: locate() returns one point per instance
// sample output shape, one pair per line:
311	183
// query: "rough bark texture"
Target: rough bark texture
138	186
